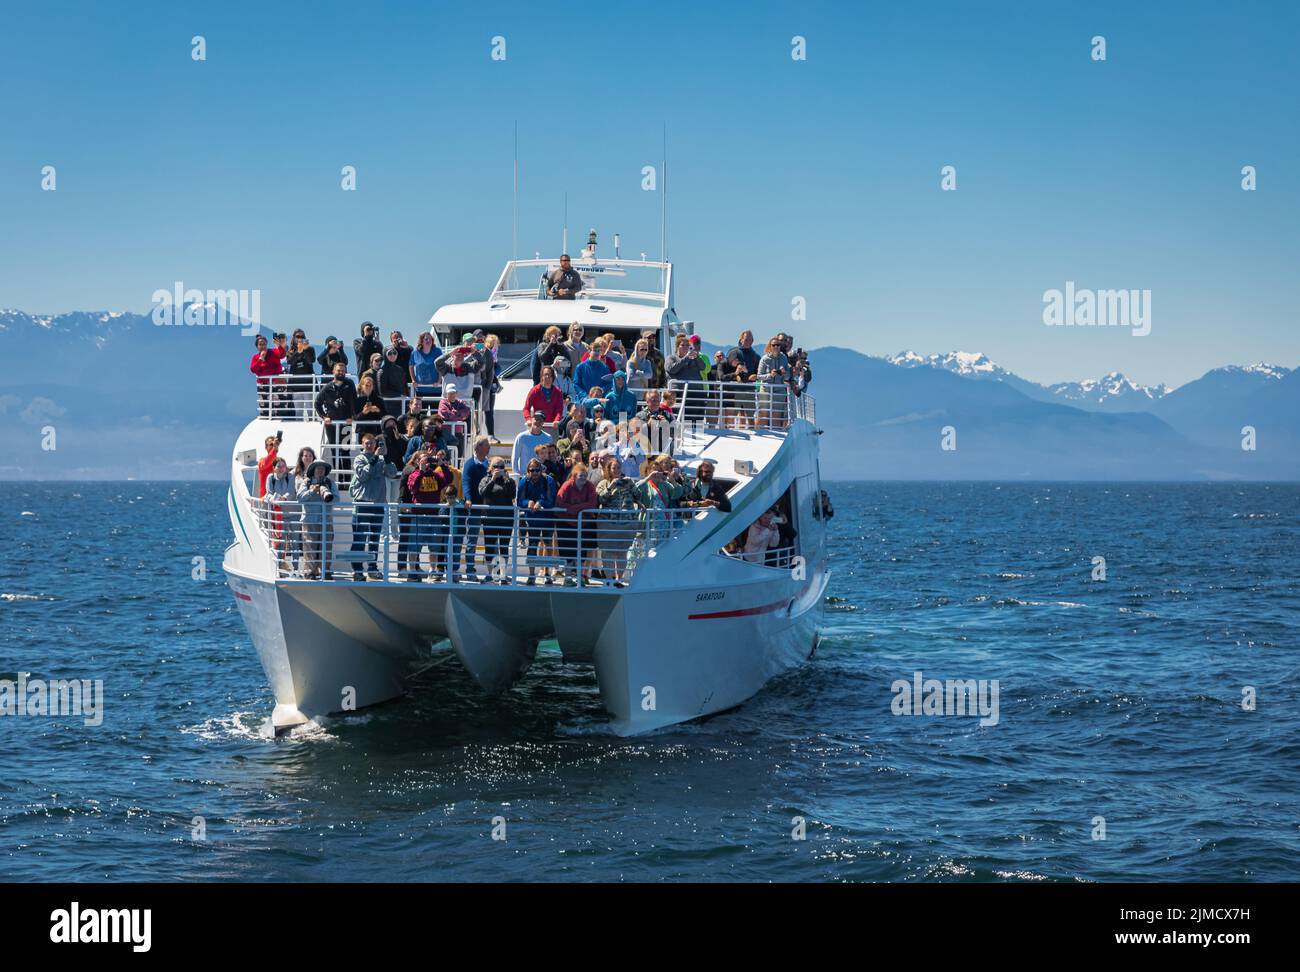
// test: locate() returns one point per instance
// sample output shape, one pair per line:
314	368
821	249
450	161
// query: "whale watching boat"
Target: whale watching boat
683	622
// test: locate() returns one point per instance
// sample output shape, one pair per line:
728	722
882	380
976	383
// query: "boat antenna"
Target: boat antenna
663	207
514	220
564	243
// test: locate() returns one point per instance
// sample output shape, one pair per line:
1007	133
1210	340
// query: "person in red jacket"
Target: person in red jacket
426	484
268	360
577	494
267	462
547	399
266	364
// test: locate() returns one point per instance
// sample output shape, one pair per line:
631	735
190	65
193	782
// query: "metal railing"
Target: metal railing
412	542
780	557
292	398
741	405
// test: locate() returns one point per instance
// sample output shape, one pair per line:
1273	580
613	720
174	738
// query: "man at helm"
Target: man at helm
563	283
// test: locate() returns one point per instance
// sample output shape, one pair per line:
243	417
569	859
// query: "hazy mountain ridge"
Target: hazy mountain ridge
131	398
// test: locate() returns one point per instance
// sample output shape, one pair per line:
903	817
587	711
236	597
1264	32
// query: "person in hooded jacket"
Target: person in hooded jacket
366	346
332	354
620	403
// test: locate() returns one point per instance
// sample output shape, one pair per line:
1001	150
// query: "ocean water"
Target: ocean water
1119	699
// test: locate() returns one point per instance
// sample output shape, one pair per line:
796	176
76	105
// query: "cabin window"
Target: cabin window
771	538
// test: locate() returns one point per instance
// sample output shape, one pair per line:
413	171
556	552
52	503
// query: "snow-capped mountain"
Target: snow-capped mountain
1115	389
1261	368
969	363
1113	392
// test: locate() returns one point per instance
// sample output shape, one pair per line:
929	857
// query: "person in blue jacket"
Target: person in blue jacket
594	371
536	497
620	403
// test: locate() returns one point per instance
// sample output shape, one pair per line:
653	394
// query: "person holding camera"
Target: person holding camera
686	362
773	375
371	471
332	355
300	363
316	492
564	282
367	346
267	462
427	484
535	495
336	404
497	492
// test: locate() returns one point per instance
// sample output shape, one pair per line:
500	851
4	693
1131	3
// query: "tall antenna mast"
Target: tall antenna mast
564	244
663	207
514	222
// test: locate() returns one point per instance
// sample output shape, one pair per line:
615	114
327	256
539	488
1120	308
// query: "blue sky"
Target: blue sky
817	178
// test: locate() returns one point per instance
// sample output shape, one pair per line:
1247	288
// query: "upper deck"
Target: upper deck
616	293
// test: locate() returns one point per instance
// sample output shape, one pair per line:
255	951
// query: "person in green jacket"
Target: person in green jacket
660	495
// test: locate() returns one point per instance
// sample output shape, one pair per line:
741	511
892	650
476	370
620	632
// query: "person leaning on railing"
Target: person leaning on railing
336	404
773	373
316	493
497	490
658	491
760	537
616	525
426	484
371	472
282	524
267	462
535	496
576	495
300	363
266	365
370	406
471	475
706	492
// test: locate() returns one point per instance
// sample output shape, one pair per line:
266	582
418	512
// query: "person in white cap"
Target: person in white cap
455	412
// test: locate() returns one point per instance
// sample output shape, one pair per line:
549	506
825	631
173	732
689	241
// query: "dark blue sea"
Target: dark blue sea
1120	699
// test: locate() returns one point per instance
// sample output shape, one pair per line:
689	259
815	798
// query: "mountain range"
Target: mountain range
129	399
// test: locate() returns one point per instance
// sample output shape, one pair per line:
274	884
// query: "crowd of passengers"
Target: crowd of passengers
600	448
395	380
451	512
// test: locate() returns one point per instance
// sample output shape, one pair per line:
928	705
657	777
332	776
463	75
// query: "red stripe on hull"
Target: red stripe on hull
743	612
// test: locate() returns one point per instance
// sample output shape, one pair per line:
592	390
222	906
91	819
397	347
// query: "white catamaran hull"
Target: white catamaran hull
660	657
